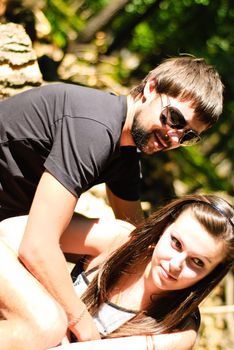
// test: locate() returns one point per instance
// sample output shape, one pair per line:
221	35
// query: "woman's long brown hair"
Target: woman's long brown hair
174	308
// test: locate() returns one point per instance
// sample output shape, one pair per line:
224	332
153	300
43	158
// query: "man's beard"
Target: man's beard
140	136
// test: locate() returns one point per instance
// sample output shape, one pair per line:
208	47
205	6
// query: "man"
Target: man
59	140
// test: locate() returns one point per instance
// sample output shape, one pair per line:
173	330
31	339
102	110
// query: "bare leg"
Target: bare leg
31	319
12	230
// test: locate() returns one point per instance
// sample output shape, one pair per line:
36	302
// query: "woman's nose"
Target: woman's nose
176	263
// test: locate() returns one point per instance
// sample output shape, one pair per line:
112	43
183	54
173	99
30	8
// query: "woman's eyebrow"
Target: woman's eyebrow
206	258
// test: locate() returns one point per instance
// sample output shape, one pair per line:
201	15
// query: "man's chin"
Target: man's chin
151	150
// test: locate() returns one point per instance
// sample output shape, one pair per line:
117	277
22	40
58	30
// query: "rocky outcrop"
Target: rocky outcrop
19	69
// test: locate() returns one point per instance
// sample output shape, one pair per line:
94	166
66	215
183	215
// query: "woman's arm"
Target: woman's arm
184	340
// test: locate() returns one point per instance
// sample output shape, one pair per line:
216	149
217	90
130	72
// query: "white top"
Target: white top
109	316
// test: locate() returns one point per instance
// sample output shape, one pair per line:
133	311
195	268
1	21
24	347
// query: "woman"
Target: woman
145	286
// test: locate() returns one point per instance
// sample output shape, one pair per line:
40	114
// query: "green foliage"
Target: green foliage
198	171
138	6
143	38
63	20
94	6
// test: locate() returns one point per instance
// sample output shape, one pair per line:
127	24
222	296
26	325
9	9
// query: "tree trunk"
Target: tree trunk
99	21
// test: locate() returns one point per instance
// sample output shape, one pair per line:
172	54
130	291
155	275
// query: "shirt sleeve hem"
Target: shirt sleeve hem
62	177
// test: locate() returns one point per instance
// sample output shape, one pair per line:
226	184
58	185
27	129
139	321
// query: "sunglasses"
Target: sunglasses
172	117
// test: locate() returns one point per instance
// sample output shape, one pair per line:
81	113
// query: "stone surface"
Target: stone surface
19	68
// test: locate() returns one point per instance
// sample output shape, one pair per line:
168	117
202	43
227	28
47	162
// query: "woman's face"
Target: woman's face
184	254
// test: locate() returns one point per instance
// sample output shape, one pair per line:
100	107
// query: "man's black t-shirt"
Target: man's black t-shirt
71	131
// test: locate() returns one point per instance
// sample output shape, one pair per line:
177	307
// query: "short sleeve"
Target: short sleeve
125	183
77	156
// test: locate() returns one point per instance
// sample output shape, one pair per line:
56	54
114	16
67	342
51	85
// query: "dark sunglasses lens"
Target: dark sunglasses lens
163	117
189	138
176	119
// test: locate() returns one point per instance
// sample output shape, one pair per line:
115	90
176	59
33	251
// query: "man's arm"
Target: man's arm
51	212
130	211
95	237
83	236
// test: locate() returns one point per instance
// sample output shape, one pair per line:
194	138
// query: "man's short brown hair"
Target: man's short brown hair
189	79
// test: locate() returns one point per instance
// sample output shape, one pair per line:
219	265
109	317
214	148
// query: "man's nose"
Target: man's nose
174	135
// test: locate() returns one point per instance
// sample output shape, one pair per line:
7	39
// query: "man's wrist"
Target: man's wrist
74	320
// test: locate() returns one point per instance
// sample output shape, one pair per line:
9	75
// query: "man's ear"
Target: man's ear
150	89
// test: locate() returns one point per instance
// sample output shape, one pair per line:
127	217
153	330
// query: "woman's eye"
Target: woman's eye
175	243
198	262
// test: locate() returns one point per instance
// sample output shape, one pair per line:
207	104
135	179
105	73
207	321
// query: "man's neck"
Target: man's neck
126	138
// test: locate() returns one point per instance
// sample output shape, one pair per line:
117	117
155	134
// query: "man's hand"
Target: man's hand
84	329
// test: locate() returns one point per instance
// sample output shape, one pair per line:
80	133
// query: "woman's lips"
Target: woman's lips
167	275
